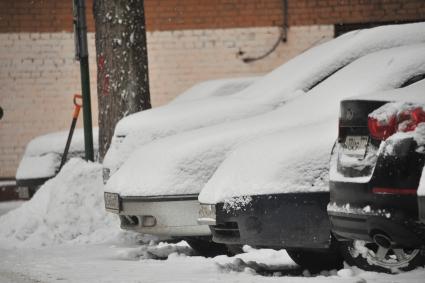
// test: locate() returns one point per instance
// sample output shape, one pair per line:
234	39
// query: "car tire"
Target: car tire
365	256
316	261
206	247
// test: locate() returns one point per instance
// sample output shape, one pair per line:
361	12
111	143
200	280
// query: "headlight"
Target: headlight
112	201
206	215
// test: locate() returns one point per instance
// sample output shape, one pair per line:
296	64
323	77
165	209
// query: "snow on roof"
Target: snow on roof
268	92
43	154
220	87
55	142
295	160
184	163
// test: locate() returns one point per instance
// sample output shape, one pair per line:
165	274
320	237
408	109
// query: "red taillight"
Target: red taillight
405	121
382	130
394	191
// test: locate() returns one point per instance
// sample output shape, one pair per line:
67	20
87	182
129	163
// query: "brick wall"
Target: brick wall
38	77
55	15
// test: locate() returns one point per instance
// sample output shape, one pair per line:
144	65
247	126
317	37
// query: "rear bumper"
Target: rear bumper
27	187
296	220
174	216
368	214
421	206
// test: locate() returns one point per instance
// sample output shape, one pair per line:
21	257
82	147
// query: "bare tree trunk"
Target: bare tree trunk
122	64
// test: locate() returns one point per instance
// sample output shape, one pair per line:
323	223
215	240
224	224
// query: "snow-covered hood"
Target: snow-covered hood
43	154
184	163
265	94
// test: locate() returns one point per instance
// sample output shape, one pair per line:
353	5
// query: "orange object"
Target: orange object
78	105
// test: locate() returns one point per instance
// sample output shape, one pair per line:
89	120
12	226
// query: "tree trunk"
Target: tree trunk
122	64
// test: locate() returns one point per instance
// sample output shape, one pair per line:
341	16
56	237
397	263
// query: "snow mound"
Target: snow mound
66	209
256	260
156	251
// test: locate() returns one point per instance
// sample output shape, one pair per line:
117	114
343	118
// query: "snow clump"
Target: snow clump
67	209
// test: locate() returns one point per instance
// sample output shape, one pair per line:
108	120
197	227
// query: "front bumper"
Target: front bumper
167	216
295	220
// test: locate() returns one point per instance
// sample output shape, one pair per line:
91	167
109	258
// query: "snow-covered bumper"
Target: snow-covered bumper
295	220
168	216
367	215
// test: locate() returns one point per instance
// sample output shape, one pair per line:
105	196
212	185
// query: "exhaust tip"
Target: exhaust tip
382	240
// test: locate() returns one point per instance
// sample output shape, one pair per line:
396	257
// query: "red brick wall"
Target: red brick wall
55	15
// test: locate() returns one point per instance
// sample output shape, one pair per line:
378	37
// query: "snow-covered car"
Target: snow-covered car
248	99
274	191
42	158
176	168
376	167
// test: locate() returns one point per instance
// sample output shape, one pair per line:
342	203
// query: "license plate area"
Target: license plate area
355	145
112	201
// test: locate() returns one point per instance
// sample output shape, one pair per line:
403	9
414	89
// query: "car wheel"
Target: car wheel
206	247
371	257
316	261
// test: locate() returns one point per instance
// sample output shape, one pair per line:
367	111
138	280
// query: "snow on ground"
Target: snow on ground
6	206
105	263
68	208
184	163
43	154
64	234
221	87
297	160
290	80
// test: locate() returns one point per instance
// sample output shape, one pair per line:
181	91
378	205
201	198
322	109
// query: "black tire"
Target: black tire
316	260
206	247
364	255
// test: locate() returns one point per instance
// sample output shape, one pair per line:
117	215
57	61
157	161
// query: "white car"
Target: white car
42	158
155	190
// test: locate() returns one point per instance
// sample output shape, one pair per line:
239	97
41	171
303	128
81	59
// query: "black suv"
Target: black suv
374	176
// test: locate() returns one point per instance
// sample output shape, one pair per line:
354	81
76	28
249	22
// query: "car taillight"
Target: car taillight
405	121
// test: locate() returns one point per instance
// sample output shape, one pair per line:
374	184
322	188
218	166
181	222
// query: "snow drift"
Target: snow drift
220	87
43	154
296	160
268	92
184	163
67	209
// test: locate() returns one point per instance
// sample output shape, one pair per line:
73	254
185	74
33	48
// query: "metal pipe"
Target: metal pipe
80	29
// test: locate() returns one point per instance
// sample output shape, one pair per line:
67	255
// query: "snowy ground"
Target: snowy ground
109	263
64	235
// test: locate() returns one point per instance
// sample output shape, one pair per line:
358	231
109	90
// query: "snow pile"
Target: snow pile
292	79
221	87
155	251
256	260
67	209
43	154
184	163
